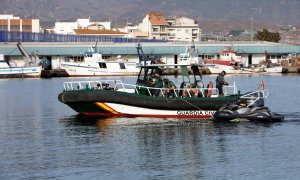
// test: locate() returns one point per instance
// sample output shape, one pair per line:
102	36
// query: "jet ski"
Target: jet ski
236	112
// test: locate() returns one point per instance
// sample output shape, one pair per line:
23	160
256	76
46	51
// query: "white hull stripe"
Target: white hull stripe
138	111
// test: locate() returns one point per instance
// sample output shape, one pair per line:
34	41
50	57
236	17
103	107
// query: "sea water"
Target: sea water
41	138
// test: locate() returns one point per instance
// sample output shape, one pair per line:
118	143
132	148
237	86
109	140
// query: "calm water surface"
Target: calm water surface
40	138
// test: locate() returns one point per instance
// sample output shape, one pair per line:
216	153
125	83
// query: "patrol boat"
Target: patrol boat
116	98
190	99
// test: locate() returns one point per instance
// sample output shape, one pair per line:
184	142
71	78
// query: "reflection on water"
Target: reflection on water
172	148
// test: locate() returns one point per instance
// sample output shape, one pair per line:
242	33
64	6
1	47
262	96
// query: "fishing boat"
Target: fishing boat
227	57
190	99
91	63
18	72
228	61
30	70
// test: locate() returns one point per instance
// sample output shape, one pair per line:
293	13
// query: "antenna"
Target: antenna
95	48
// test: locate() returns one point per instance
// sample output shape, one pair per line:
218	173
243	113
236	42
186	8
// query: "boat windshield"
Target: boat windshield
145	75
147	72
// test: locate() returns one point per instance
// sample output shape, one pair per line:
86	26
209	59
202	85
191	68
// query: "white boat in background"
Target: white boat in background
18	72
189	57
264	69
91	63
274	69
30	70
217	69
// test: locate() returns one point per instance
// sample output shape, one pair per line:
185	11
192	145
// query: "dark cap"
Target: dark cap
158	71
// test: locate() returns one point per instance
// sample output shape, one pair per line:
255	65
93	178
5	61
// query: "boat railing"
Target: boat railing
176	92
255	96
230	90
83	85
151	91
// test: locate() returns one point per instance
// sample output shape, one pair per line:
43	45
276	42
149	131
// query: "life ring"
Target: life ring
209	88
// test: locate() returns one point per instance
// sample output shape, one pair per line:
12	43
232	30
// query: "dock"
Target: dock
54	73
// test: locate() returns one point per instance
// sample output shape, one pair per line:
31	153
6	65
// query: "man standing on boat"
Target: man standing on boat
220	82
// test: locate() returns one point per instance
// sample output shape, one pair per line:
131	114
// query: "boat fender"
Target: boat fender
209	90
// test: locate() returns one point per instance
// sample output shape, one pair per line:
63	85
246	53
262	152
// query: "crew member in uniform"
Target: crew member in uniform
220	82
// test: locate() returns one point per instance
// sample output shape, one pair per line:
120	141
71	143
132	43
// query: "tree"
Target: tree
266	35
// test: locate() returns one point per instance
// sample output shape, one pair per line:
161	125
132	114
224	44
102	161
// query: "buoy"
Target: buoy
209	89
262	85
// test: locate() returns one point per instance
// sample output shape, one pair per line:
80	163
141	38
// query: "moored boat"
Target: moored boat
217	69
19	72
91	63
190	56
30	70
274	69
228	61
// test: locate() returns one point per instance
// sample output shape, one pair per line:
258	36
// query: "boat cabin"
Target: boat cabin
229	55
147	73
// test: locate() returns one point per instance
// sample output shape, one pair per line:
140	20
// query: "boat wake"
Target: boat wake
293	116
81	120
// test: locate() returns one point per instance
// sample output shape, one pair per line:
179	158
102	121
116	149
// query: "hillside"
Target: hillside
234	12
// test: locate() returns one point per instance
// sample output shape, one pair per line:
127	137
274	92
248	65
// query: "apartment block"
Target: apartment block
13	23
156	26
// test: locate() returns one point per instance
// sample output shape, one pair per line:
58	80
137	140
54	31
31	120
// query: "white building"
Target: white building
156	26
9	22
183	29
68	27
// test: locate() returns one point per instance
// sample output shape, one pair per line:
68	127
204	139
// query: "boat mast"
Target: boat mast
95	48
141	54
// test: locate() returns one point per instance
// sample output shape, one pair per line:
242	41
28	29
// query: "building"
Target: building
13	23
156	26
183	29
68	27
